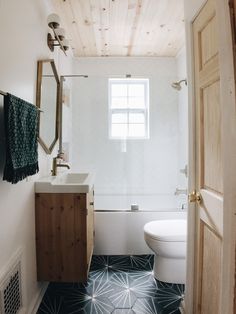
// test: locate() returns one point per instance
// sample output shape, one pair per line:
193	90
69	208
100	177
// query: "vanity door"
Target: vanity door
64	236
55	236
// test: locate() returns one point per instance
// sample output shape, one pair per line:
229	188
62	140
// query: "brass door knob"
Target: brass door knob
194	197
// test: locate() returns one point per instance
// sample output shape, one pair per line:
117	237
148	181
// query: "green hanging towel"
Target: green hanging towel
21	127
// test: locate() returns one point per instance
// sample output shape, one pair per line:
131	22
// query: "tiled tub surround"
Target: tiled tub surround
117	284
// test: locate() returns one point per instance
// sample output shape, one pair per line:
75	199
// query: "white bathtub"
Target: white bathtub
121	232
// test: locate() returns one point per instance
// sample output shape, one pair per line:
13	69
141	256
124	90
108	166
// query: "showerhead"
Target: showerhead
177	85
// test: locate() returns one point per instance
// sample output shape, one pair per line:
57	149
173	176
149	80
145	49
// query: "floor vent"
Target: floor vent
10	291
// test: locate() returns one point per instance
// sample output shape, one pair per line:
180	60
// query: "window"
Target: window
128	108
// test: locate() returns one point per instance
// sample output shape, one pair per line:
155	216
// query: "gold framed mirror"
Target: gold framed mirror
47	99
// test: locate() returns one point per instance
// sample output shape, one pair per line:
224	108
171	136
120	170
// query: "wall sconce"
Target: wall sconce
59	34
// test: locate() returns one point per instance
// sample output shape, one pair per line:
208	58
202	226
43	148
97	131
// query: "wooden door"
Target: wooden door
209	177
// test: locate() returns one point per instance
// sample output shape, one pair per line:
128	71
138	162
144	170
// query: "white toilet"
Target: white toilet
167	239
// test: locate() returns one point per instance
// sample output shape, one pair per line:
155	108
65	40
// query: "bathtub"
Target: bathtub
120	232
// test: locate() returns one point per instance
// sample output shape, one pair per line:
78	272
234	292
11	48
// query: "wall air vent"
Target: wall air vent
11	290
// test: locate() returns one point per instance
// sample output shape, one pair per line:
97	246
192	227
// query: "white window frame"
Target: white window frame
145	110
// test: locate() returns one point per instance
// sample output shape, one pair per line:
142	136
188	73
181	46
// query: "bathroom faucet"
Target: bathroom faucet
55	165
180	191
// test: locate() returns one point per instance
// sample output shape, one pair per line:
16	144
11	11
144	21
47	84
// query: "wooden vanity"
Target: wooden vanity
64	235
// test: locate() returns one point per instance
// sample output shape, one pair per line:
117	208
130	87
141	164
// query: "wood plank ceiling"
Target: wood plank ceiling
123	27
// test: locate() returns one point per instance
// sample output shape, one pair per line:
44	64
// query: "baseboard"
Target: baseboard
34	305
182	307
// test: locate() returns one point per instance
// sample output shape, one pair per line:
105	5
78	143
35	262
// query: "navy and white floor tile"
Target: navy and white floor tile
117	285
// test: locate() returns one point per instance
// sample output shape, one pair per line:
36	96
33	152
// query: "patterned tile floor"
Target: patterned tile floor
118	285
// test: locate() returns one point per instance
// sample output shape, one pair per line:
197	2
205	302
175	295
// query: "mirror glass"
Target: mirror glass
47	100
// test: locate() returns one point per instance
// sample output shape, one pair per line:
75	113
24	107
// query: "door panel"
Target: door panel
211	272
212	213
208	41
211	115
209	182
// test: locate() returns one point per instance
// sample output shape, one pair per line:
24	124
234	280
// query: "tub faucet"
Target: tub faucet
184	206
55	165
180	191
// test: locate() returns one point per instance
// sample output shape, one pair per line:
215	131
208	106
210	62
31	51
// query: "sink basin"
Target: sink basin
65	183
72	178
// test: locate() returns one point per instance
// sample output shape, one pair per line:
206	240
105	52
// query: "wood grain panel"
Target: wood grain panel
124	27
62	236
90	227
210	271
235	286
213	178
232	6
208	149
209	41
80	237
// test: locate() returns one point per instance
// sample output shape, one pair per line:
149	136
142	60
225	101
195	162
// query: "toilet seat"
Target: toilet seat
167	230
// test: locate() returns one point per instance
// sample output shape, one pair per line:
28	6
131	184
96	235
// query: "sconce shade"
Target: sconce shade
60	32
53	20
58	37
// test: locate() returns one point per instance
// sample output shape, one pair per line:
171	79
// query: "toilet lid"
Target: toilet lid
167	230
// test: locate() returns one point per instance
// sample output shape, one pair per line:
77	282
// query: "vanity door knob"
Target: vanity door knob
91	203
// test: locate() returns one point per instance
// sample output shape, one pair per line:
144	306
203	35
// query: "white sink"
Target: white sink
65	183
72	178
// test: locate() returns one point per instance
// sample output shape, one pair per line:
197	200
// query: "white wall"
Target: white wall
183	124
182	114
147	166
23	31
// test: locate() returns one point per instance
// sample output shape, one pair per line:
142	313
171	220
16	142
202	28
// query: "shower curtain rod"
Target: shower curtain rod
127	75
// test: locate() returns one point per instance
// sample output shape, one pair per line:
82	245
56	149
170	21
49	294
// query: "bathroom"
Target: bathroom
136	181
131	171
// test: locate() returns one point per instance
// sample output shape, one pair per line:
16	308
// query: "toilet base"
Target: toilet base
169	269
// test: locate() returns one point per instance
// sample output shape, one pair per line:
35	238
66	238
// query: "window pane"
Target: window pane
119	130
119	102
119	118
119	90
136	90
136	130
136	118
136	102
128	108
